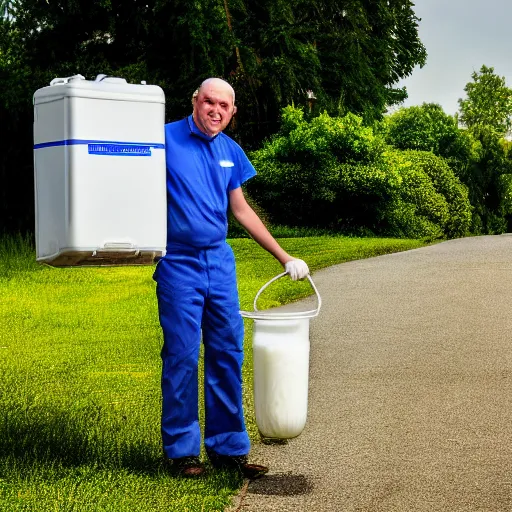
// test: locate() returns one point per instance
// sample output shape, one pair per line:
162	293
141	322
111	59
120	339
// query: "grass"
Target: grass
80	373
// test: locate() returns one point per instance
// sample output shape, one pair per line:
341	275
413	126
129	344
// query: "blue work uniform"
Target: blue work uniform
197	293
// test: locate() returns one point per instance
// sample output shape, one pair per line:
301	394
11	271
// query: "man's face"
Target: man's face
213	108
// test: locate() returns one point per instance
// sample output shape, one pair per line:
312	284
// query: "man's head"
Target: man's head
214	106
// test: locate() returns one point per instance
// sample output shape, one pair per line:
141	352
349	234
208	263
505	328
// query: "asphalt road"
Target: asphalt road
410	396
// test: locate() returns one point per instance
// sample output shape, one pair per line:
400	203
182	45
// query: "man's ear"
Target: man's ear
194	97
234	110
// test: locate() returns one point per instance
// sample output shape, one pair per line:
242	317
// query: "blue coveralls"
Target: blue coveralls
197	292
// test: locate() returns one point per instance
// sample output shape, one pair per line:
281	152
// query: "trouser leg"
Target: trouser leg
225	432
180	304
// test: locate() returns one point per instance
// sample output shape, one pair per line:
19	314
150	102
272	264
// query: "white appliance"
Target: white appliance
99	168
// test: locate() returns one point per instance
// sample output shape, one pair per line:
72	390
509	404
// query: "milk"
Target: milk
281	367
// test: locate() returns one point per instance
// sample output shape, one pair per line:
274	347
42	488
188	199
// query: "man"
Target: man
196	286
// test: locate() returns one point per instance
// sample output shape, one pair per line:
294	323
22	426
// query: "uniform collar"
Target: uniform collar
194	130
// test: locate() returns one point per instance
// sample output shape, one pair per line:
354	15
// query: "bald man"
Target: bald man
196	286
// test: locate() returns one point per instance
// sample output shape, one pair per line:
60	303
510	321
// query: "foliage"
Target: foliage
429	128
478	157
349	53
487	113
337	173
505	189
325	172
416	209
274	51
488	102
487	183
440	200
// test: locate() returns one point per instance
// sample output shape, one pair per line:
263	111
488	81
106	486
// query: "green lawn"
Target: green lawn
80	371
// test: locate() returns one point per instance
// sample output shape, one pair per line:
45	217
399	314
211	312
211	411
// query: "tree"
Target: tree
366	47
173	44
429	128
477	156
488	172
487	114
350	53
336	173
488	102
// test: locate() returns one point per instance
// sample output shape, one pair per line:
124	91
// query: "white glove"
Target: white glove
297	269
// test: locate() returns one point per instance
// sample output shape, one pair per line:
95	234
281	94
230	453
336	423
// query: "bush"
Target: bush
448	185
417	210
327	173
428	128
505	189
431	202
403	221
336	174
477	156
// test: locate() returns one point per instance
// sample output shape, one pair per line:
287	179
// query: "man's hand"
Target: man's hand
297	269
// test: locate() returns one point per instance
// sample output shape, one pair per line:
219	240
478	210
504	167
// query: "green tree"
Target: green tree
173	44
429	128
488	192
488	102
334	172
350	53
365	48
487	114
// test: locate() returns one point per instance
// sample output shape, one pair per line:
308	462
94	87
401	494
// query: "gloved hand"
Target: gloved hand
297	269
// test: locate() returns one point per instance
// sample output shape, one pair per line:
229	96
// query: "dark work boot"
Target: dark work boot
238	463
189	467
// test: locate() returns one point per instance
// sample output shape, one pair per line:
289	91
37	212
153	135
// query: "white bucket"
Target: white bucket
281	368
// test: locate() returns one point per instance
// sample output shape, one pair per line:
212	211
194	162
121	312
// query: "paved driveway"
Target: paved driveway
410	388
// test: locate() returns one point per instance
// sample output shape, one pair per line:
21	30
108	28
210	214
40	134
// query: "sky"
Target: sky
460	36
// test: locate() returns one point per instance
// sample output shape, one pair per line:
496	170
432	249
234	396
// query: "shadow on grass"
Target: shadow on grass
75	439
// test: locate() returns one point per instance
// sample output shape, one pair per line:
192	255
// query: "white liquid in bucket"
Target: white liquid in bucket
281	369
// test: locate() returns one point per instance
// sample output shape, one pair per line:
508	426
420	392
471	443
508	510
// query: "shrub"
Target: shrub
477	156
431	203
327	173
335	173
448	186
403	221
429	128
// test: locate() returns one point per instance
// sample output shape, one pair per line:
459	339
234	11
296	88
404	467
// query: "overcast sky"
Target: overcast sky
460	36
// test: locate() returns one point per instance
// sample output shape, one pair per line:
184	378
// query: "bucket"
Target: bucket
281	367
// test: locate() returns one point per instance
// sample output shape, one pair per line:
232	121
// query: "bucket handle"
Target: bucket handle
310	314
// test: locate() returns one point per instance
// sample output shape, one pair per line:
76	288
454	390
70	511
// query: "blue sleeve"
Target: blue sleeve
242	171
